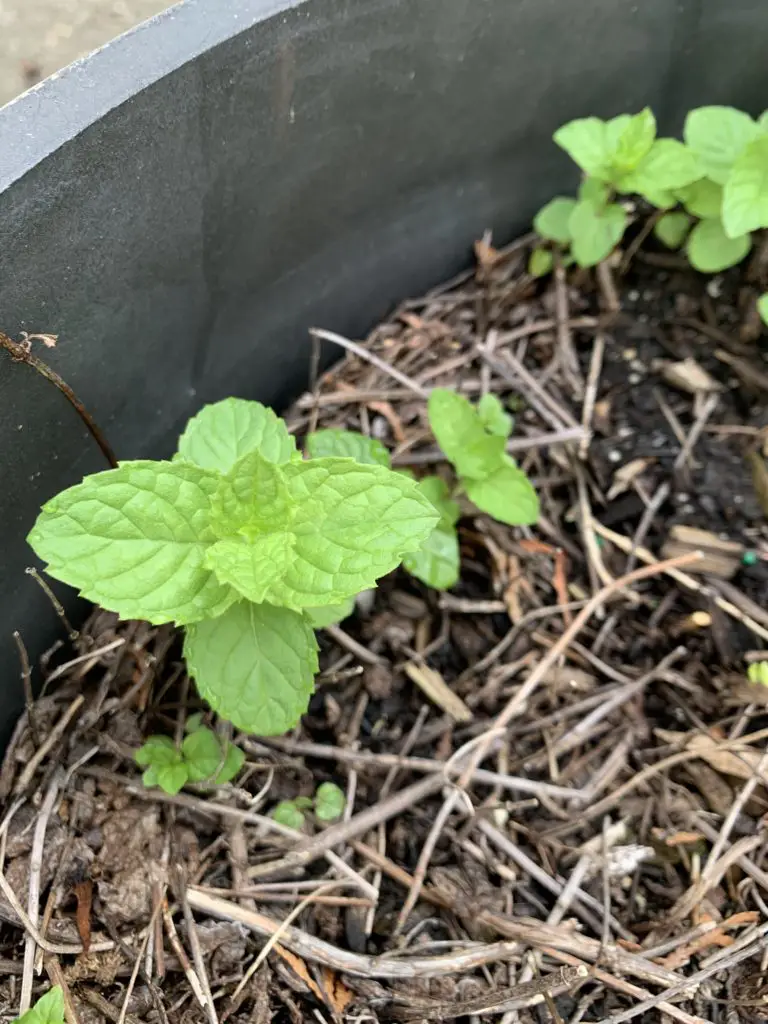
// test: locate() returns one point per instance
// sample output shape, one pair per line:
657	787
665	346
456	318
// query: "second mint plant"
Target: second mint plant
244	543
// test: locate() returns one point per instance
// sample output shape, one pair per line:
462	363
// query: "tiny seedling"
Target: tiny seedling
757	672
240	540
49	1009
201	757
328	804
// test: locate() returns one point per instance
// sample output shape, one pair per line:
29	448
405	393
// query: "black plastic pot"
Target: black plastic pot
181	206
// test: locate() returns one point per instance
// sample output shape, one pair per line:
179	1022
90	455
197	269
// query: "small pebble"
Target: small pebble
615	456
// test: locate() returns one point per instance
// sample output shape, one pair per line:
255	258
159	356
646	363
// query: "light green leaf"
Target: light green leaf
507	495
552	220
157	750
745	196
437	563
710	250
762	307
540	263
584	140
436	490
171	777
702	198
672	228
717	135
596	191
233	762
255	665
224	432
757	672
494	416
49	1009
149	778
252	498
352	524
253	566
288	814
596	231
667	166
461	435
330	802
202	754
330	614
134	540
762	121
193	722
629	138
347	444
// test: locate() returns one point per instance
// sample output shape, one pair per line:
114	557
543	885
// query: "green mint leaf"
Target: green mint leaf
234	760
330	614
667	166
762	307
171	777
710	250
596	231
304	803
702	198
745	196
202	754
156	751
224	432
134	540
672	229
461	435
436	490
253	566
507	495
437	562
594	190
288	814
347	444
584	140
629	139
718	135
551	221
540	263
255	665
193	722
330	802
352	524
762	121
49	1009
494	416
252	498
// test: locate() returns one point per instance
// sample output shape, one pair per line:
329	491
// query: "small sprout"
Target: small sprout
540	262
49	1009
201	758
757	672
552	221
329	802
288	814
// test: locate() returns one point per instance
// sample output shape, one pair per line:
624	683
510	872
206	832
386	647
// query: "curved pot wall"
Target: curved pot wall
181	206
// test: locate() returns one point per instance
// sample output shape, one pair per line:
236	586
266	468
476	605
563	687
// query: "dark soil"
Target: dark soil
610	863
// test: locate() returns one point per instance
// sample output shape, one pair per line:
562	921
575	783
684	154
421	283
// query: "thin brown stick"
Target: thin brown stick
590	393
55	973
33	901
53	738
369	357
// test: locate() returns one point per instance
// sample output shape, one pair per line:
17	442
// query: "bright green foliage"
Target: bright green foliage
762	307
667	166
49	1009
718	135
553	220
672	228
288	814
494	416
745	196
330	614
437	562
347	444
200	758
489	476
594	190
702	198
540	263
710	250
757	672
329	802
234	538
596	229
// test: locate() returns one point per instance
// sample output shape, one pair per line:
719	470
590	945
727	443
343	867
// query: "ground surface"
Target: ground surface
39	38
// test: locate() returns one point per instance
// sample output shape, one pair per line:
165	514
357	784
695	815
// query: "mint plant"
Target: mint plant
201	757
328	804
757	672
240	540
49	1009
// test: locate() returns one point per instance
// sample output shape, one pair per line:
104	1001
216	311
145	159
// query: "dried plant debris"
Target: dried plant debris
554	771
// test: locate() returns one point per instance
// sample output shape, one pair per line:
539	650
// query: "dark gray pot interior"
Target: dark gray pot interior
181	206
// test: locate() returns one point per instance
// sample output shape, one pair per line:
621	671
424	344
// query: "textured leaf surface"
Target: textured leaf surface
596	231
672	228
233	763
134	540
255	665
170	777
253	566
710	250
288	814
330	614
329	801
437	562
252	498
352	524
224	432
49	1009
494	416
347	444
157	750
552	220
507	495
460	433
584	140
745	197
629	138
717	135
668	165
202	754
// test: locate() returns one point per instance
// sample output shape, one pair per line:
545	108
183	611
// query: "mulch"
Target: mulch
555	772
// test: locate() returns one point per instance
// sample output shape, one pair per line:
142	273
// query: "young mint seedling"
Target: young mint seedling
49	1009
240	540
757	672
328	803
200	758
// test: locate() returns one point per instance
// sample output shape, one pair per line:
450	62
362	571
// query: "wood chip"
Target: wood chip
624	476
435	687
720	557
688	376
